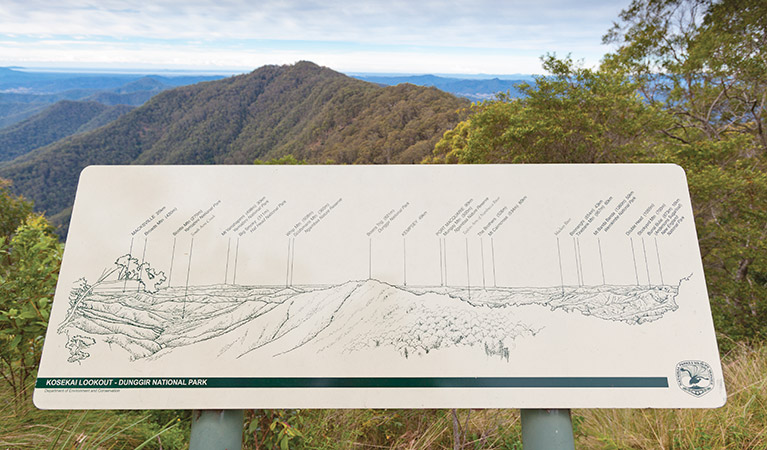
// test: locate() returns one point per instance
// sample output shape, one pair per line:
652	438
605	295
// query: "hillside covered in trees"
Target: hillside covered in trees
304	110
58	121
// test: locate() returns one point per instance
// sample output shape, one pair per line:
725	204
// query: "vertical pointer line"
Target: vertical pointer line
492	255
646	264
482	255
172	257
127	266
634	258
292	259
143	252
188	270
561	274
660	268
441	267
601	261
370	258
236	257
580	259
444	244
577	266
404	262
143	258
287	266
226	270
468	278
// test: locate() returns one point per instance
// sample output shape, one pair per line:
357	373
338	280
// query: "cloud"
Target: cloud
495	28
427	22
73	53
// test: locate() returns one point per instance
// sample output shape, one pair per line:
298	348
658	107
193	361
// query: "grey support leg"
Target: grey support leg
219	429
547	429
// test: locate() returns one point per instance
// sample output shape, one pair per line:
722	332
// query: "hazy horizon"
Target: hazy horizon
228	72
394	37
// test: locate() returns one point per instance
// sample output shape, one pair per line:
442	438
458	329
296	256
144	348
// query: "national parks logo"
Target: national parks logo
695	377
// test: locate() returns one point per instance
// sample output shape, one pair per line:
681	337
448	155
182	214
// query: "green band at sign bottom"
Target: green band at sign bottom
352	382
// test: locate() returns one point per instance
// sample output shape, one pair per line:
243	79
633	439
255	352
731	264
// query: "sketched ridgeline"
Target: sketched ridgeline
129	307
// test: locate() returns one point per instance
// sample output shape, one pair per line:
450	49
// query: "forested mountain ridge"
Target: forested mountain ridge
311	112
56	122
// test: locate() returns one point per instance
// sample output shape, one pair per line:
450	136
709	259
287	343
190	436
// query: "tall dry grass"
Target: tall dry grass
740	424
22	426
412	429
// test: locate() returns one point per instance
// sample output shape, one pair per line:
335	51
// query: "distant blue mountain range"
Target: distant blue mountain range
21	80
26	93
472	86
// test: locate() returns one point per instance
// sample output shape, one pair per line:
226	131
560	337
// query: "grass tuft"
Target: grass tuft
22	426
740	424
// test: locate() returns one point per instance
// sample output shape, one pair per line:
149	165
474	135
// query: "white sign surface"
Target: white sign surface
531	286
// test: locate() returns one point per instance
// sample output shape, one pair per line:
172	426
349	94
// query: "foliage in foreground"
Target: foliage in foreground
30	256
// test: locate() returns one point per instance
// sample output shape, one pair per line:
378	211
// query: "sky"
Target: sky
234	36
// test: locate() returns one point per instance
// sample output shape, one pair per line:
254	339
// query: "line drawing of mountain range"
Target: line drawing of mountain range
131	310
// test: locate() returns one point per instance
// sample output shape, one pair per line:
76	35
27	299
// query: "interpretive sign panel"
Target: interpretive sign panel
515	286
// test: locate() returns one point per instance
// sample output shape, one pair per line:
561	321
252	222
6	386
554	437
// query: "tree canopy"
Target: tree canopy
575	114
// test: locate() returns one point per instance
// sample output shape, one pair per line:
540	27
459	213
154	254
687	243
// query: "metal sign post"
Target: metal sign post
547	429
216	430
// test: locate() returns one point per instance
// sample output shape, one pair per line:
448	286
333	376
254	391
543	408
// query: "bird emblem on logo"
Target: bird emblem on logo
695	377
